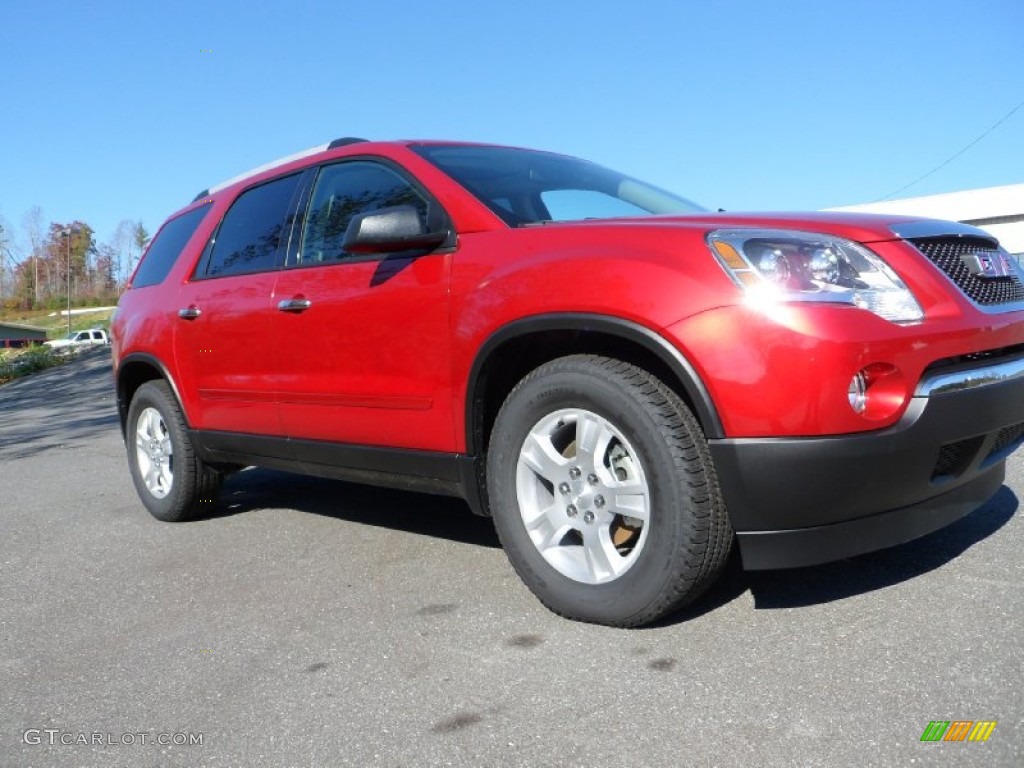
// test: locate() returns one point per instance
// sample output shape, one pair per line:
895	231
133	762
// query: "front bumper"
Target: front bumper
803	501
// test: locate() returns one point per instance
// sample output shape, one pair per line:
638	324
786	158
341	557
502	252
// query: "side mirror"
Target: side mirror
389	230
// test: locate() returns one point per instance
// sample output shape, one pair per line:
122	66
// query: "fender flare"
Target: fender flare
650	340
152	362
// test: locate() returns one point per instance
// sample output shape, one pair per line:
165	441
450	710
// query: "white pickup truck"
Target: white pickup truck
81	339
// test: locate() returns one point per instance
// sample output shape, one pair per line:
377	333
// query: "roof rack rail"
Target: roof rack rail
281	161
344	142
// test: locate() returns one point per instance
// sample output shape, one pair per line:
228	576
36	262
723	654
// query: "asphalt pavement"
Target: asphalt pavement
319	623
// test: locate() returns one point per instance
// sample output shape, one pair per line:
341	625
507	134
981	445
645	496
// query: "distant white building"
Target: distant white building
997	210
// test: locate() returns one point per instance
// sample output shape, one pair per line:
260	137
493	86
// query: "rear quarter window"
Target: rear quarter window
166	247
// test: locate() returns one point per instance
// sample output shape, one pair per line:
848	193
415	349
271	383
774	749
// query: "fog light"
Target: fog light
858	392
878	392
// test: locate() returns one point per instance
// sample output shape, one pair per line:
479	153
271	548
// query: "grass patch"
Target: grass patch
15	363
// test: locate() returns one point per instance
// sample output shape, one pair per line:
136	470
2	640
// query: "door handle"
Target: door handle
190	313
297	304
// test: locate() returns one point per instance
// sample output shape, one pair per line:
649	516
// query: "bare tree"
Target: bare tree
4	251
104	279
32	224
123	242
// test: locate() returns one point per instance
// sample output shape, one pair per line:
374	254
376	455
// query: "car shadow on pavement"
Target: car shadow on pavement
834	581
447	518
814	585
439	517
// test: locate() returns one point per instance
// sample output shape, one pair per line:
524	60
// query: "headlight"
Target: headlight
804	266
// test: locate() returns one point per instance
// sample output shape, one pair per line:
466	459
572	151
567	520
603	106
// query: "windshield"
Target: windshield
524	187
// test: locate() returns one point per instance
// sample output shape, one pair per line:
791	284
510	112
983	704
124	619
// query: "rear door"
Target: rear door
364	340
223	339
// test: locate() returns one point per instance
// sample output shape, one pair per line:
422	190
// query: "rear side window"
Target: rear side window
166	246
253	230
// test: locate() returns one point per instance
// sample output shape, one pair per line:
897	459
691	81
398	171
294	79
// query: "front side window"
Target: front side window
251	236
526	187
343	191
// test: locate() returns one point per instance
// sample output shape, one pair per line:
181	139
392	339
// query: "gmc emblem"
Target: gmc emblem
988	265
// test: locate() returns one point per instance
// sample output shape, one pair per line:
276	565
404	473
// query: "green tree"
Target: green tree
142	237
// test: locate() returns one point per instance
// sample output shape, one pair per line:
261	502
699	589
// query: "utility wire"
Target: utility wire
942	165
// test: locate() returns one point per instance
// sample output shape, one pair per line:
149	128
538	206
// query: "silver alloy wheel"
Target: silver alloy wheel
153	452
583	496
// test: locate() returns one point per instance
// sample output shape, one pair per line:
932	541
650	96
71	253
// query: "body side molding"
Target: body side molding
446	474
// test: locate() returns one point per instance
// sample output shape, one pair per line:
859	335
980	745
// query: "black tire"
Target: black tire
688	534
188	487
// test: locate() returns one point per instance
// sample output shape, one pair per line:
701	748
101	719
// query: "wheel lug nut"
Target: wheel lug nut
592	479
564	489
588	517
574	472
599	501
571	510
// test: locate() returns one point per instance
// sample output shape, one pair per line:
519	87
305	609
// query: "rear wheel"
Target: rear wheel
604	494
172	481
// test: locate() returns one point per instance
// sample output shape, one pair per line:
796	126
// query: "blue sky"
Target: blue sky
114	110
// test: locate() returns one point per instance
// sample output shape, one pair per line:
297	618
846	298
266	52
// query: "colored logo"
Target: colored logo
990	265
959	730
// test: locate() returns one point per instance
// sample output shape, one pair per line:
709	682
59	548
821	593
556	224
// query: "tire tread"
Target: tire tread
710	541
195	483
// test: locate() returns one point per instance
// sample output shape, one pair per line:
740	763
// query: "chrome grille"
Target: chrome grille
946	253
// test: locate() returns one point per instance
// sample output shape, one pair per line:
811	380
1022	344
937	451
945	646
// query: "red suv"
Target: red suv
624	381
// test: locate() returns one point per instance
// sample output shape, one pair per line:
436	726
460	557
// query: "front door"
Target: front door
363	341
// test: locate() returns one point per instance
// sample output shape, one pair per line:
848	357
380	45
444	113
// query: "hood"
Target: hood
860	227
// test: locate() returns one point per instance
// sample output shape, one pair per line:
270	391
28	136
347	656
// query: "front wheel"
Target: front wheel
604	494
172	481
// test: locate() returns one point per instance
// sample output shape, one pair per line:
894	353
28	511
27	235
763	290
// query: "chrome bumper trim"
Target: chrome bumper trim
970	378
